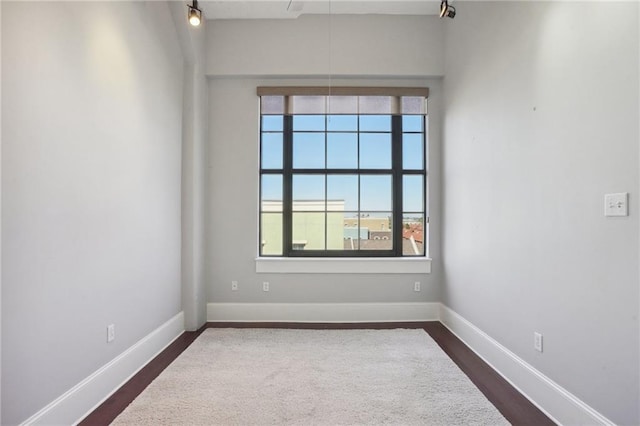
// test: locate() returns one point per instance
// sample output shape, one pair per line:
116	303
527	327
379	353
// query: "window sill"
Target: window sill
287	265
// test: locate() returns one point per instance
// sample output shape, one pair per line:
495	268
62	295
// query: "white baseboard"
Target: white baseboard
83	398
556	402
322	312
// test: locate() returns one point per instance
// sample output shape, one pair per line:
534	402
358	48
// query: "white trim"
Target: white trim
322	312
556	402
382	265
79	401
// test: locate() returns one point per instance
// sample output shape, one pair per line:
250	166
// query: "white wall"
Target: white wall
91	169
321	45
0	220
194	140
246	54
541	120
233	210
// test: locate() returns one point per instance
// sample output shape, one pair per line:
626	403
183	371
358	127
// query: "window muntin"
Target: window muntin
339	183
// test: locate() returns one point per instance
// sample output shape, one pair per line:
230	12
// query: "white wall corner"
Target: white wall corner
322	312
179	14
556	402
83	398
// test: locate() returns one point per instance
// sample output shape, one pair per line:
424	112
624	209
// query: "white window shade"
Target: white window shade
342	100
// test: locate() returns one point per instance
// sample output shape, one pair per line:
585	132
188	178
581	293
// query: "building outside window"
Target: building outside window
343	172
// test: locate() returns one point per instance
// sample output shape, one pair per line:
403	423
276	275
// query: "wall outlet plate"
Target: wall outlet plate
616	204
537	341
111	333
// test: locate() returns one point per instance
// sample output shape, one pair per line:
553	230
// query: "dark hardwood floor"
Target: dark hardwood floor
513	406
116	403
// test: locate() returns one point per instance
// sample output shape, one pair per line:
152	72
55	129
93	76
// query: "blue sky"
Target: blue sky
342	152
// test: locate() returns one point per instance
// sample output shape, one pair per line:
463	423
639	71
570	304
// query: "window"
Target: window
343	174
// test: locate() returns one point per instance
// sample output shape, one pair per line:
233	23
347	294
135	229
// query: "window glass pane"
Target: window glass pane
308	193
412	193
412	154
336	232
342	104
308	123
351	232
413	105
271	234
374	105
308	231
342	192
413	235
375	231
375	123
272	105
342	123
272	123
307	104
339	205
412	123
308	150
375	150
271	151
271	193
375	193
342	150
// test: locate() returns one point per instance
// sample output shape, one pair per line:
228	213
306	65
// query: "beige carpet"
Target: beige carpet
312	377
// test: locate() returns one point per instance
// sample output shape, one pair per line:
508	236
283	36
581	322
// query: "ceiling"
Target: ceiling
291	9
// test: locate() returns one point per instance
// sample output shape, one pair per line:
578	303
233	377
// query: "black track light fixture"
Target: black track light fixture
195	14
446	10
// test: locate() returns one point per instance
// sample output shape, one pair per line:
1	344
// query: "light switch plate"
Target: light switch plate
616	204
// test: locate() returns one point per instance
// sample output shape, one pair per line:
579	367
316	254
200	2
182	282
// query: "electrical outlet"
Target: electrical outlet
234	285
537	341
111	333
416	286
616	204
265	286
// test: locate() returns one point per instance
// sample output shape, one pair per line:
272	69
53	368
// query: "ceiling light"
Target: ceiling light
195	14
446	10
